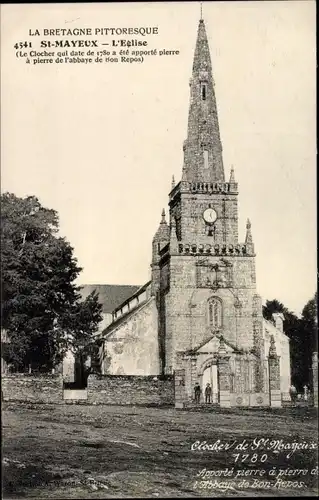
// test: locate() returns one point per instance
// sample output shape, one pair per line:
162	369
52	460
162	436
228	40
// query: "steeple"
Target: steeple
202	149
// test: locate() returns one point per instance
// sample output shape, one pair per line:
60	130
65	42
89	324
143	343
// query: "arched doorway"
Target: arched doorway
210	375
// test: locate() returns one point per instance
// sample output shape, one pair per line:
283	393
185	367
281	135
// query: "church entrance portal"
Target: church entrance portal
210	376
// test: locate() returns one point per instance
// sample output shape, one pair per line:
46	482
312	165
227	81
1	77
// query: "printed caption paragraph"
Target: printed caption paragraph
95	46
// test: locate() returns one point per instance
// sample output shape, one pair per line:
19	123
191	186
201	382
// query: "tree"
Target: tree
41	308
302	333
309	336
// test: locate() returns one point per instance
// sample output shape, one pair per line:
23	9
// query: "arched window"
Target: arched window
215	312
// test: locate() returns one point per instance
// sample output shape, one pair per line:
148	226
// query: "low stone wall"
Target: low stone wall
246	399
130	390
44	388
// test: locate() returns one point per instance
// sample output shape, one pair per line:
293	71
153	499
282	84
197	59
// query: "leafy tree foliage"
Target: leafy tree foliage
302	333
309	335
41	306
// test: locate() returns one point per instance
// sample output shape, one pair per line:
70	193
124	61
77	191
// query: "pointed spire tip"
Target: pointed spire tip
163	221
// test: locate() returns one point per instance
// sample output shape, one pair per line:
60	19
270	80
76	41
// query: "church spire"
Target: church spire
202	148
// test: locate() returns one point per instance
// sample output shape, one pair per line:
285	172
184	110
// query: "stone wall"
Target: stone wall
130	390
131	346
283	351
247	399
186	305
33	388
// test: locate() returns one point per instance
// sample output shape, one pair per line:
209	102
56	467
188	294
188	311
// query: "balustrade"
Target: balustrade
194	249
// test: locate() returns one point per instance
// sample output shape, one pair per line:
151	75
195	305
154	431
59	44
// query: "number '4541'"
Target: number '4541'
22	45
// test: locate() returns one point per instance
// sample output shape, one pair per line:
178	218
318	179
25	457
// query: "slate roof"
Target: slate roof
139	291
123	318
110	296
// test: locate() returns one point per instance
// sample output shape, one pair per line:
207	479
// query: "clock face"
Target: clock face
209	215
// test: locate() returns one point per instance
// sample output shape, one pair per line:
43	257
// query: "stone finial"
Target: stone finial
173	181
232	175
162	234
249	238
272	347
163	221
222	351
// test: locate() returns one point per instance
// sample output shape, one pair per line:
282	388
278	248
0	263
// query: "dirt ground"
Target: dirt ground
79	451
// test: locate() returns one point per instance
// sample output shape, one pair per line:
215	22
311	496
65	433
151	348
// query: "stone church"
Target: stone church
200	316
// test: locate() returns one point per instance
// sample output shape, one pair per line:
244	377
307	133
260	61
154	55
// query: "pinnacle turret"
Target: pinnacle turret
162	233
173	243
232	175
249	239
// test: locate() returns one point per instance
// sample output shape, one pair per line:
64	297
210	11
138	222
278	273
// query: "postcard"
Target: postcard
159	305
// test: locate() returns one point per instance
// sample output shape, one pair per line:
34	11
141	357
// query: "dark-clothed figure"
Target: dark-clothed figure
293	393
208	393
197	392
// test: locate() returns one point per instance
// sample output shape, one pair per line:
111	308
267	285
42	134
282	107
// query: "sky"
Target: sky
100	143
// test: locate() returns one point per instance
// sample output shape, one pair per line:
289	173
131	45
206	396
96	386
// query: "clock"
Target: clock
210	215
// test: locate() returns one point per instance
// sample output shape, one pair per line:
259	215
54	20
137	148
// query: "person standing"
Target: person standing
197	392
293	393
305	388
208	393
